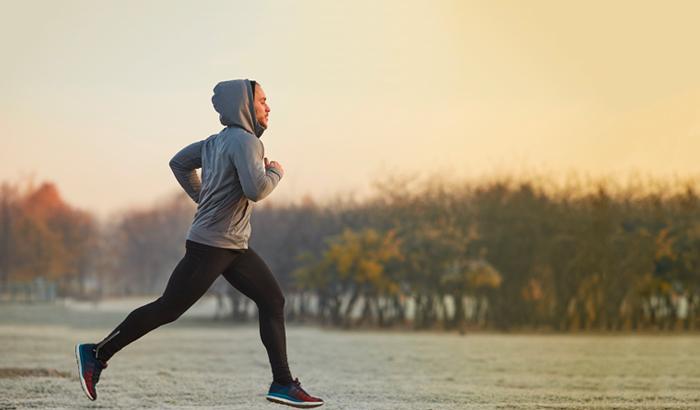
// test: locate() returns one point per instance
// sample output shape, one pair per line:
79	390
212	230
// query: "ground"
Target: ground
199	363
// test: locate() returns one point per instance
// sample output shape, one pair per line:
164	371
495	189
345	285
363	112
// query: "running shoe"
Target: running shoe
292	395
89	368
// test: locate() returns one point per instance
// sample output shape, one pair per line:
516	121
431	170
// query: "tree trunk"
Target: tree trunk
380	312
400	310
460	315
366	311
347	314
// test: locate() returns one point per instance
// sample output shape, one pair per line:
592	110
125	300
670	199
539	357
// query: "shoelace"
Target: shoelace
297	383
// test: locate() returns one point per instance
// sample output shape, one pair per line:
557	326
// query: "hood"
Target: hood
233	100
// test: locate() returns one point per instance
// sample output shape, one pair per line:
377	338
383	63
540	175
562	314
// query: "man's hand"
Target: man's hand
274	164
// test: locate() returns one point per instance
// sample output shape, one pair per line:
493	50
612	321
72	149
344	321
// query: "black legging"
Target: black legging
195	273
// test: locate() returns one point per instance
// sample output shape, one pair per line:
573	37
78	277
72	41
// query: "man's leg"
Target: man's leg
251	275
192	276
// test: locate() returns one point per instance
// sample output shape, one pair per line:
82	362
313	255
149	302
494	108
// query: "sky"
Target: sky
98	96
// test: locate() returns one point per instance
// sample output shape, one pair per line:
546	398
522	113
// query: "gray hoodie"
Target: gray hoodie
233	172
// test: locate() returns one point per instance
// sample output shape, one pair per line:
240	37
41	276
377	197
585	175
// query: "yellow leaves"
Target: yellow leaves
393	288
664	245
362	257
482	275
665	287
310	274
359	257
474	275
369	270
343	256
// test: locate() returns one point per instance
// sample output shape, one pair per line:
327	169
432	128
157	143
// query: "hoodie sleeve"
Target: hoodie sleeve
257	182
184	164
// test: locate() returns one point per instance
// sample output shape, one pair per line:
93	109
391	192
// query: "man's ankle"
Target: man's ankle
102	361
283	382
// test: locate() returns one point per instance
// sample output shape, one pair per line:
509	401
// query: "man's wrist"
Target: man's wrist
277	171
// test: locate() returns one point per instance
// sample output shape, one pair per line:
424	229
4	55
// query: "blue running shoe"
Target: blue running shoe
292	395
89	368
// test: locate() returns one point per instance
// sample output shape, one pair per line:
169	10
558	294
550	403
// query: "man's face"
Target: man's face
262	110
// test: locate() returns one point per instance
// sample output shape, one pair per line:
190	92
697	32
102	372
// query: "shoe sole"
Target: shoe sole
280	400
80	373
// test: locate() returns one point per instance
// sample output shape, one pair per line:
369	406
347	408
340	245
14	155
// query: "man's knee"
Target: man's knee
280	301
273	304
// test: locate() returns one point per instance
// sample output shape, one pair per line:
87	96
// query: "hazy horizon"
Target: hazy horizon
97	97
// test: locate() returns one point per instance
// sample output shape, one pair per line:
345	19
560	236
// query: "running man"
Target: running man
235	174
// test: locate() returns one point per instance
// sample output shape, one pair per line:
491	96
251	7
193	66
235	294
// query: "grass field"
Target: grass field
196	363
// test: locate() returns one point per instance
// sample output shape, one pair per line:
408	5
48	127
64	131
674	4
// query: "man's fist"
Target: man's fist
274	164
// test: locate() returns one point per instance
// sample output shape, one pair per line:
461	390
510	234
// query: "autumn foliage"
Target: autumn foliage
501	254
41	235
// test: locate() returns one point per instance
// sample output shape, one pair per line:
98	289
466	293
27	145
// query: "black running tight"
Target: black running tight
195	273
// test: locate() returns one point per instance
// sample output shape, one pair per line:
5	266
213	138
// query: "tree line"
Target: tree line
502	254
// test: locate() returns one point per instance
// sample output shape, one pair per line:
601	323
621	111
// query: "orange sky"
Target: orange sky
97	96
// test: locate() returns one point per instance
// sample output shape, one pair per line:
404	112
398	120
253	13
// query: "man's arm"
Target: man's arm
184	164
257	181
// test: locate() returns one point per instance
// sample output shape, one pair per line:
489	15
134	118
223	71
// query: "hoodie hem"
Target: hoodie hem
216	239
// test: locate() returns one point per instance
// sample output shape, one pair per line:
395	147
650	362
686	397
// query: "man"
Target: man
235	174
